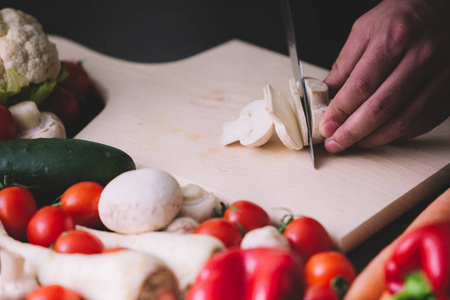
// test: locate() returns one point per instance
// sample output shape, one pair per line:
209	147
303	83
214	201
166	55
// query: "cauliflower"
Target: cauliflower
27	57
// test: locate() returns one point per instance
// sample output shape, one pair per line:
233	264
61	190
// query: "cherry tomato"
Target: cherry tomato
47	224
307	236
222	229
78	80
78	241
53	292
7	124
324	267
17	206
63	103
320	292
81	202
247	215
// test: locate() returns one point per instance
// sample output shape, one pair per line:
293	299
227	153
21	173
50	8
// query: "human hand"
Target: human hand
392	78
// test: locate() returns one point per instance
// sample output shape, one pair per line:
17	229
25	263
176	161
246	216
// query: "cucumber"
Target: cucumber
49	166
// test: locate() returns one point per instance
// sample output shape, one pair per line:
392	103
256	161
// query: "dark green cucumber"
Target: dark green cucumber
50	166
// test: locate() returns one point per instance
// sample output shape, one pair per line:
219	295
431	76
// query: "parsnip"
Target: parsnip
123	275
15	283
185	254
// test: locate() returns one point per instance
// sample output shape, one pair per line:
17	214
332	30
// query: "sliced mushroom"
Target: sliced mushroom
284	118
318	97
253	128
32	124
298	109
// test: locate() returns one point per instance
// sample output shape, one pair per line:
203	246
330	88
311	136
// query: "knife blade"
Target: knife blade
297	68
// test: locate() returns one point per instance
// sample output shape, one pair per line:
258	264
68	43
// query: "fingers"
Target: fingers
349	56
421	113
375	109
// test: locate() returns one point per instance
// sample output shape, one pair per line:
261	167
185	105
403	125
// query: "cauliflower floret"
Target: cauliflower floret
25	48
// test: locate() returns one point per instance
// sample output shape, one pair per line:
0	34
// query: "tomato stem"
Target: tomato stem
340	285
284	223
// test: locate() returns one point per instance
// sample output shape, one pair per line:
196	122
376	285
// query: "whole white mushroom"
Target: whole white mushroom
139	201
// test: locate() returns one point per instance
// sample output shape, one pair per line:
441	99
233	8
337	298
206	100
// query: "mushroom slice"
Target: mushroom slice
318	97
32	124
298	109
284	118
253	128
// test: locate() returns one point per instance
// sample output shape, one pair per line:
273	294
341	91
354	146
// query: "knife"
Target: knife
297	68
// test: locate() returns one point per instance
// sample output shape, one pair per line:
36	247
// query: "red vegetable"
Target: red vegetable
17	206
247	215
420	264
7	124
47	224
307	236
330	268
222	229
63	103
78	80
53	292
259	273
78	241
81	202
320	292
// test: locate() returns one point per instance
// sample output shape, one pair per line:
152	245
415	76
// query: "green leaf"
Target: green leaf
15	81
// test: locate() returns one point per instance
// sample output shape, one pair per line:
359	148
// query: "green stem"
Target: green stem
416	288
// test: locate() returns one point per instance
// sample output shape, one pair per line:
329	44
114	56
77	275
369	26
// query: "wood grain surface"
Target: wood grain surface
170	115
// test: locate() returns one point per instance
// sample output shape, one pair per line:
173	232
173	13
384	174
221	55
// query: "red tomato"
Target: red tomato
78	241
17	206
324	267
247	215
47	224
78	80
81	202
222	229
320	292
53	292
63	103
307	236
7	124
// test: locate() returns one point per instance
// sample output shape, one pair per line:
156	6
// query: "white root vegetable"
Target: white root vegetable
253	128
139	201
185	254
284	118
267	236
198	203
33	124
122	275
182	225
14	283
318	97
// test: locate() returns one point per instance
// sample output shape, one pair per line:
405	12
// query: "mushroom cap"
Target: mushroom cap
139	201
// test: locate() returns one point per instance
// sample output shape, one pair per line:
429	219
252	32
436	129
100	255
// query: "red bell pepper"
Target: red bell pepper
249	274
420	265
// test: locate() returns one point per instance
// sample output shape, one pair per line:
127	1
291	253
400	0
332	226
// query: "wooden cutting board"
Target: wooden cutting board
170	115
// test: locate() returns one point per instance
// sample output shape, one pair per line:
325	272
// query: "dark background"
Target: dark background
162	31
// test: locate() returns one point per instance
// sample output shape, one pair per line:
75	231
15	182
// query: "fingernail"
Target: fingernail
332	146
328	128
